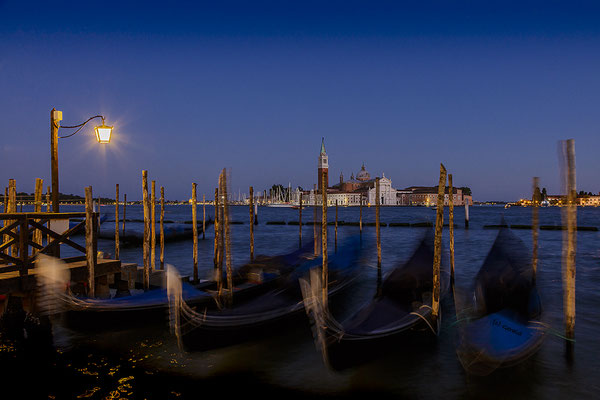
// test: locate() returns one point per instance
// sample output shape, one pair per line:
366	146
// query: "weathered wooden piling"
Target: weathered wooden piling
227	238
535	223
203	216
300	221
251	223
195	231
124	212
451	224
216	228
146	247
153	226
569	240
48	194
162	227
5	237
377	227
325	275
336	224
437	257
90	251
467	214
117	221
12	208
360	216
39	189
315	225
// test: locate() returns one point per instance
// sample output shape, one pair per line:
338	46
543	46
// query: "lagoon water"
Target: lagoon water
146	363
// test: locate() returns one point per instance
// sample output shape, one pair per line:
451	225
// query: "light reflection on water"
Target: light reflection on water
288	359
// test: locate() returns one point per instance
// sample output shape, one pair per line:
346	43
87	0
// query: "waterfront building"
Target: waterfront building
427	196
361	189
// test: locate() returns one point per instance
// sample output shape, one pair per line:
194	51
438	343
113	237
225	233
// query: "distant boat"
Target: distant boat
281	205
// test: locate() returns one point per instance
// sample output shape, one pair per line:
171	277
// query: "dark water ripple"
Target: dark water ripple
145	363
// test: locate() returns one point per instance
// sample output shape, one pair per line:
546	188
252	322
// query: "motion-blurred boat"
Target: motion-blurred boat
402	307
203	329
252	279
505	327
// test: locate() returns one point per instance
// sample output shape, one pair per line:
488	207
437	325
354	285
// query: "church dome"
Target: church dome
363	175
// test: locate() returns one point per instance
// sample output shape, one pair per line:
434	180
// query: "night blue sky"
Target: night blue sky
487	88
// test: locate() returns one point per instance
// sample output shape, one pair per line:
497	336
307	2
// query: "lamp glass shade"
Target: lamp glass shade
103	133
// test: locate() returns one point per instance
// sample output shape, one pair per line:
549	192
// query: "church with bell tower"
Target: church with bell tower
323	168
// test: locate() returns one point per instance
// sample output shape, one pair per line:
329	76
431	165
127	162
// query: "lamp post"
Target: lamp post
103	134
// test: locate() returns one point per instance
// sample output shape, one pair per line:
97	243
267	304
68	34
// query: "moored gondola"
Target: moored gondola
505	327
202	329
121	312
401	308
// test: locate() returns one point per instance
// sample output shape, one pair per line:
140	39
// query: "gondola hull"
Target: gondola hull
506	326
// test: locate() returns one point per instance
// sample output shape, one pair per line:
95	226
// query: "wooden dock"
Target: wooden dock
22	243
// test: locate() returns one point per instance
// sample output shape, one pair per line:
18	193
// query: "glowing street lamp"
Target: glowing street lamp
103	134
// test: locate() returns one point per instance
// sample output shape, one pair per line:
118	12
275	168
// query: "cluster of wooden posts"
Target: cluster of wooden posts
222	237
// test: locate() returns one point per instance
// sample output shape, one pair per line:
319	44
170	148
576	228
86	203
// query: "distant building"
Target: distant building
361	190
427	196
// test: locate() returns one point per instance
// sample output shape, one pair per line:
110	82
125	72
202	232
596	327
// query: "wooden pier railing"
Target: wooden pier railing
19	249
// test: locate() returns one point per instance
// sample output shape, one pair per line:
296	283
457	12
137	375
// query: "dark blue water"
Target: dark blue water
287	360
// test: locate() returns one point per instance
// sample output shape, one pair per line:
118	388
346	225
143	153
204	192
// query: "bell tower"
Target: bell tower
323	167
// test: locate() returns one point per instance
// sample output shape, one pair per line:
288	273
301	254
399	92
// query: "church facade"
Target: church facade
360	189
353	192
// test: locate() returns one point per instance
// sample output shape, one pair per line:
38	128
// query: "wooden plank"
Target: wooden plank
11	281
40	215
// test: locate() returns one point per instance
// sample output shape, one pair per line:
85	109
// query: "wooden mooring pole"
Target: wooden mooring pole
216	228
251	223
227	238
5	237
162	227
195	231
48	210
466	214
535	223
203	216
300	222
12	208
360	216
451	225
336	224
325	276
316	246
153	226
39	190
569	242
90	252
437	257
124	212
117	221
146	247
377	226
